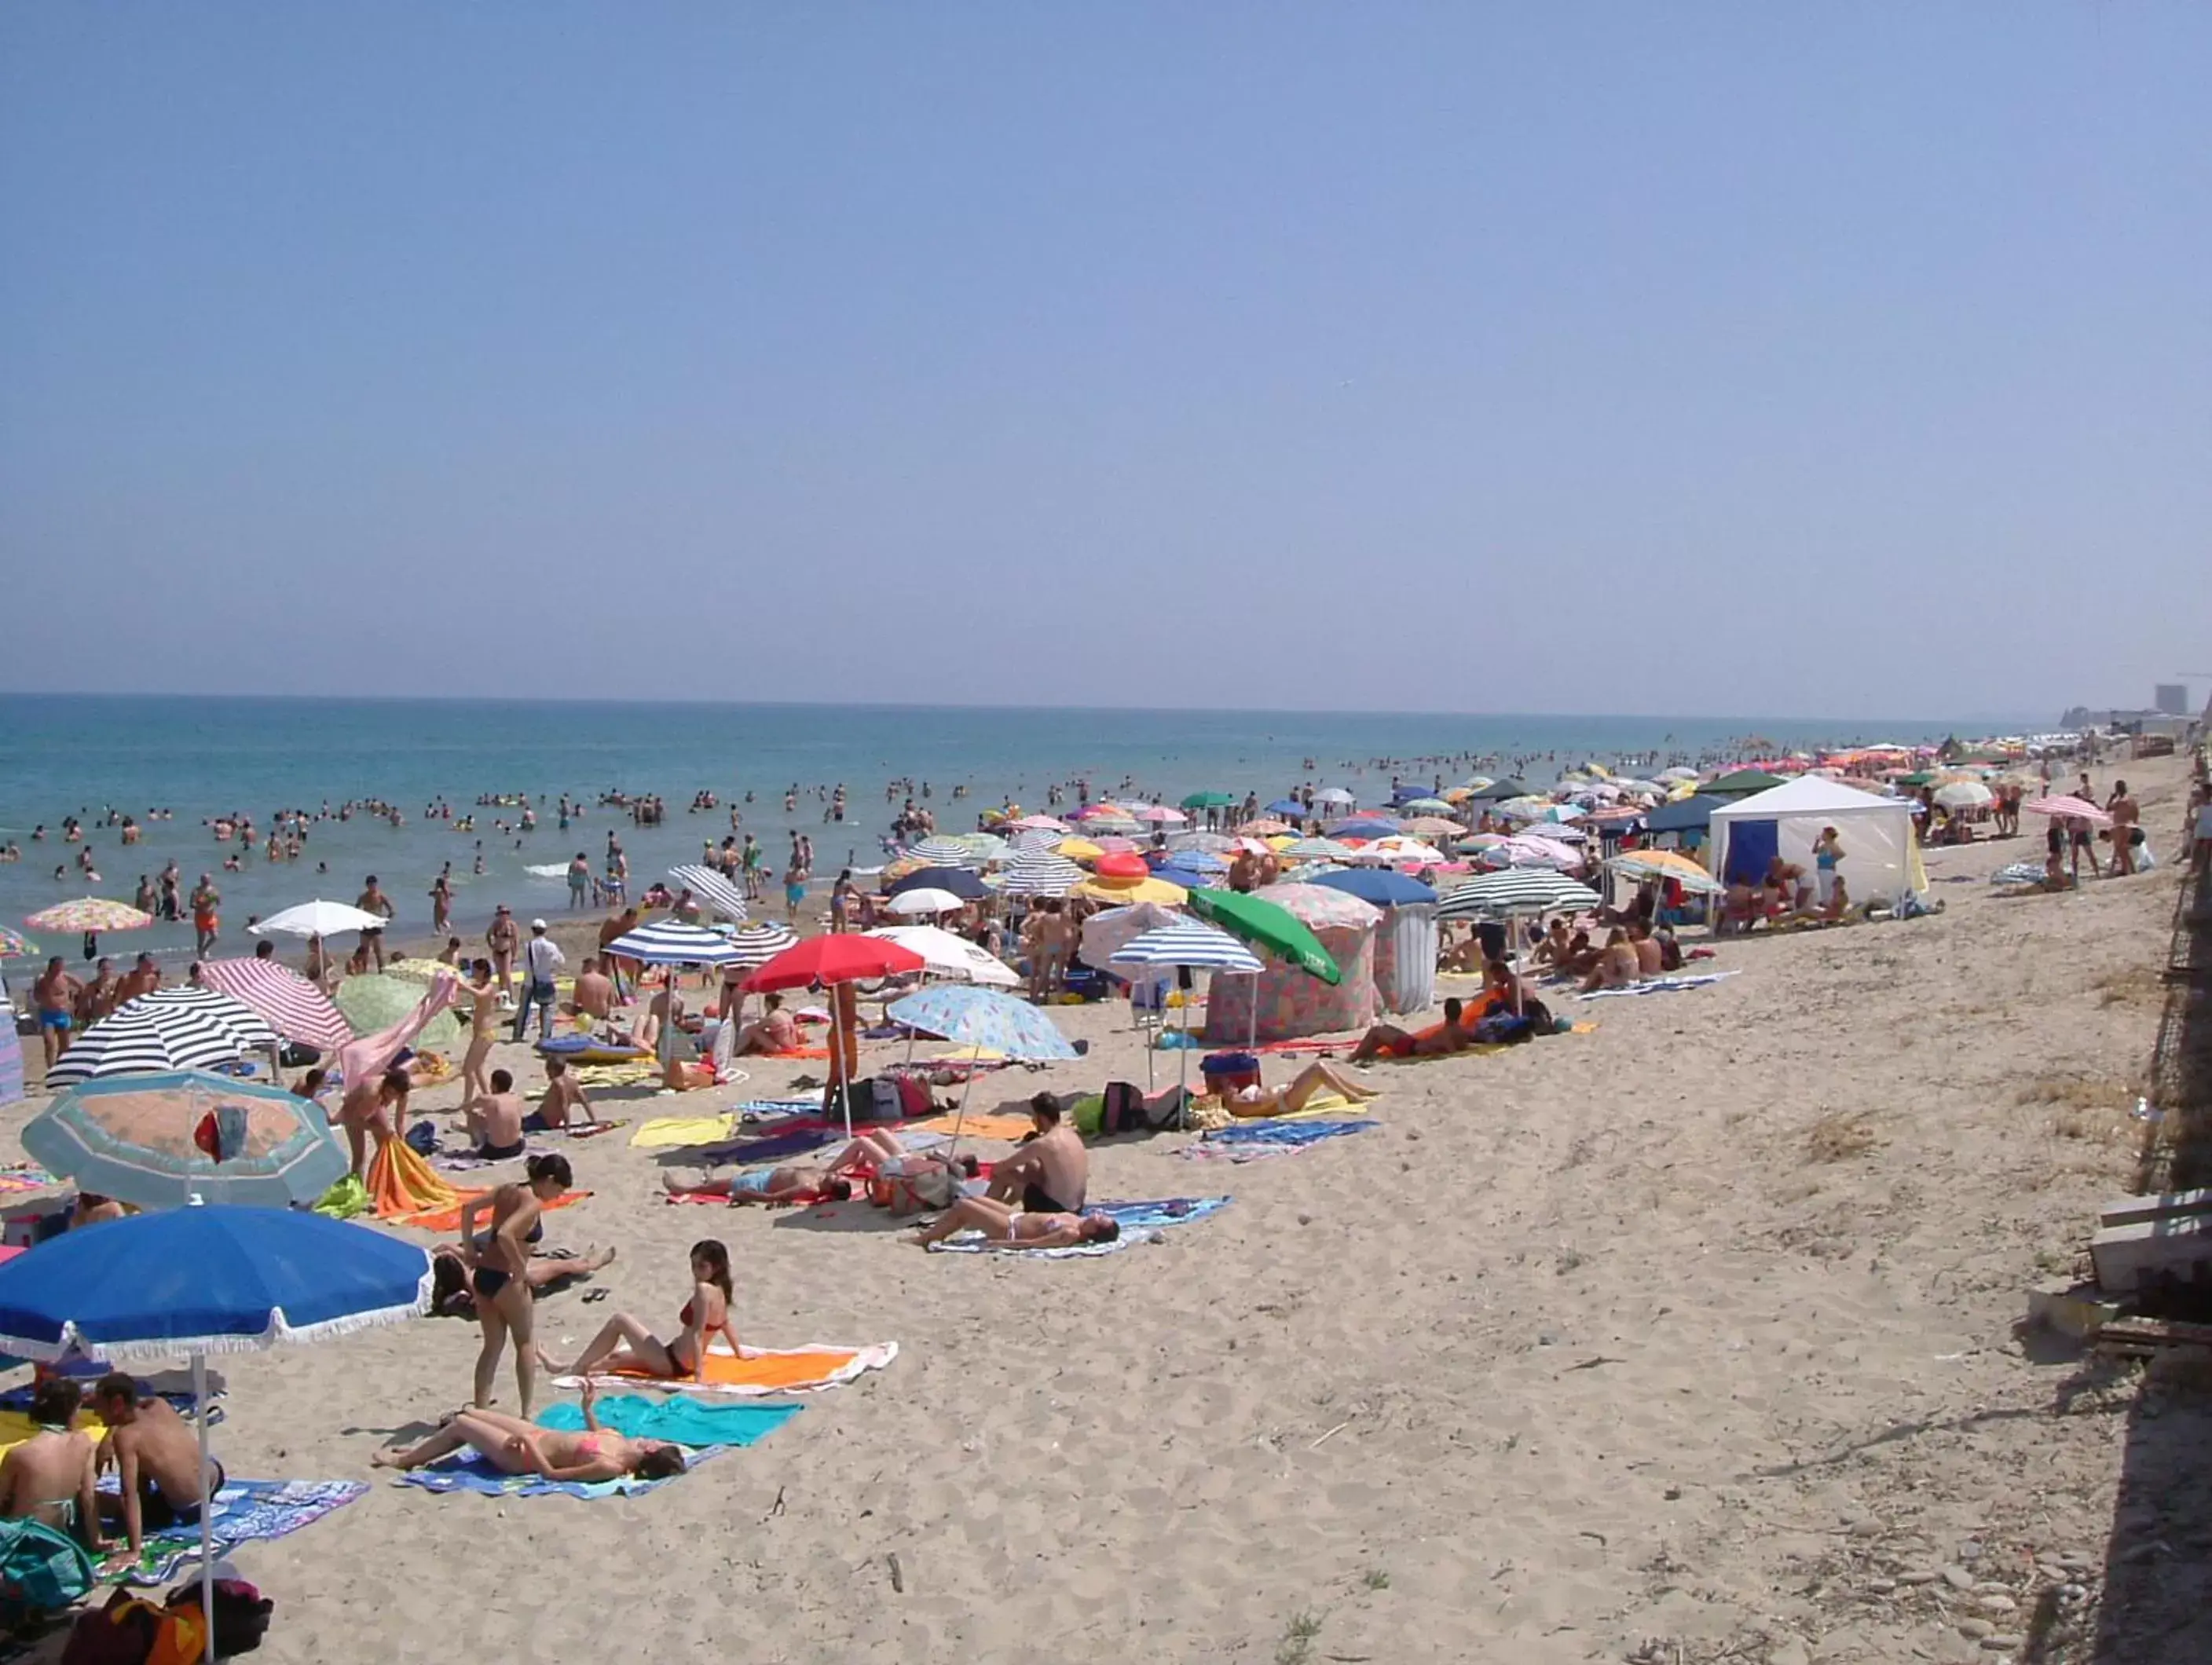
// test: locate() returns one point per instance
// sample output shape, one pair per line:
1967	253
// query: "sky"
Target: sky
1614	358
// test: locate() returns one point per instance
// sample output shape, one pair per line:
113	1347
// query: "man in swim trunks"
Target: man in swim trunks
156	1455
372	900
563	1105
55	995
143	978
1389	1041
1050	1173
206	923
595	991
495	1119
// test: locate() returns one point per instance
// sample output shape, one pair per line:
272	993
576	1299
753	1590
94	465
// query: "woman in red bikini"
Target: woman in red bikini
624	1343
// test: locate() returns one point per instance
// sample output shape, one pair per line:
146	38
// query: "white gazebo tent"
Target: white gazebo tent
1876	833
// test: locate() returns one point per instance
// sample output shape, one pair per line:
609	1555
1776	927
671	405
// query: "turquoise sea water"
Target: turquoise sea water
204	756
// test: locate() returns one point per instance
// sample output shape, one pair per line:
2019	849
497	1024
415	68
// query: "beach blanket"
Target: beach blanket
24	1176
691	1422
772	1147
769	1112
449	1219
1255	1141
245	1511
757	1372
1141	1222
1659	985
977	1126
616	1075
467	1472
668	1132
400	1182
2017	873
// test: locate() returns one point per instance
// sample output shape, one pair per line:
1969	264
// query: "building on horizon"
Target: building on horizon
2171	699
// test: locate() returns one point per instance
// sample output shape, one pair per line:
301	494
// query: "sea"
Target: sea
198	758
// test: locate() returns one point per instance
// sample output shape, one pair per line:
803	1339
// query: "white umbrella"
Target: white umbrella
950	955
923	899
319	919
1335	795
1965	795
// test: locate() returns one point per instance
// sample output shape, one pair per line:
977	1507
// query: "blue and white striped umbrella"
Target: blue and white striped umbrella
1320	849
671	942
1188	944
756	945
719	895
938	852
1041	874
171	1028
1518	890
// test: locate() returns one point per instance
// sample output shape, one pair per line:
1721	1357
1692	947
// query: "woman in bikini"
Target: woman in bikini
624	1342
483	993
514	1445
1314	1078
51	1476
501	1262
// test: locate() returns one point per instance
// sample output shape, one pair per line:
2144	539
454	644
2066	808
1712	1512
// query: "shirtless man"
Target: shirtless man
157	1457
503	936
1044	934
1000	1222
53	1476
2125	813
495	1119
1050	1172
1387	1040
207	923
372	900
563	1105
617	925
372	1105
595	991
55	995
1648	955
97	998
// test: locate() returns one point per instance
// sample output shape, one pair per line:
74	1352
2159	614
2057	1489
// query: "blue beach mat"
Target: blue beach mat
245	1511
704	1430
1252	1141
1141	1222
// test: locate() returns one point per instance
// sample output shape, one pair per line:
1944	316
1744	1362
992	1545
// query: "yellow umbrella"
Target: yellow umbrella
1078	849
1663	864
1456	794
1134	889
1281	841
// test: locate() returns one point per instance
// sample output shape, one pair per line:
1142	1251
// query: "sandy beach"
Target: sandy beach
1695	1333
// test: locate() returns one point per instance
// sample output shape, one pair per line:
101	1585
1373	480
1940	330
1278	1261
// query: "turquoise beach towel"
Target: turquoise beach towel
685	1421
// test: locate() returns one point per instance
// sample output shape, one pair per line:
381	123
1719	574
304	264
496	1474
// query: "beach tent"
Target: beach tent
1404	939
1876	833
1286	1001
1687	816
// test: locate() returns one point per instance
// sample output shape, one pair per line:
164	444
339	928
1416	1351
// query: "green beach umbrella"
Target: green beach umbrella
1268	925
1498	791
1743	783
1211	800
372	1003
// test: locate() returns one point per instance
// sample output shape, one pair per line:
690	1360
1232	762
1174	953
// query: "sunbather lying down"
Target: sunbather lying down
1002	1223
1315	1079
872	1152
516	1447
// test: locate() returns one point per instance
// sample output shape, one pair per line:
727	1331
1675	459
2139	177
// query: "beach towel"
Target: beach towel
400	1182
449	1219
975	1127
691	1422
1659	985
245	1511
1141	1222
465	1470
769	1112
24	1176
1255	1141
668	1132
616	1075
588	1049
774	1147
757	1372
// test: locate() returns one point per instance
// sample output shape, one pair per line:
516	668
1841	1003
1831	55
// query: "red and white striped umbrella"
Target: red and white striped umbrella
293	1008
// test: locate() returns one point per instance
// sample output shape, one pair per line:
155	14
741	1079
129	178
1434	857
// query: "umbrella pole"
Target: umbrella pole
1183	1061
207	1504
960	1120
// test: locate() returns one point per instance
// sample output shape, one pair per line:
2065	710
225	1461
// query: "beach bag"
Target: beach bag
241	1615
120	1634
1123	1110
913	1096
46	1568
929	1184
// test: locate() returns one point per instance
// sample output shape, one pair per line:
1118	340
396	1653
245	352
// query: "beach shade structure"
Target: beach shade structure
962	882
295	1008
1122	891
1109	826
1529	850
1210	800
756	945
1213	843
714	891
1077	849
320	919
91	915
2079	809
984	1018
1187	946
1405	940
377	1001
1184	878
1518	890
1286	1001
1683	815
171	1028
1037	824
1287	806
829	961
986	847
924	900
1880	851
1524	808
1432	826
946	954
1965	795
1319	849
1335	795
1266	827
14	945
1268	925
1742	783
1040	874
1496	791
1666	864
193	1281
158	1141
1381	887
1426	806
1192	862
1158	815
1365	826
940	852
1398	850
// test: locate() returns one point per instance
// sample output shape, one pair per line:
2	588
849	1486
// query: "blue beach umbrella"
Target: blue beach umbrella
1287	809
1190	877
1363	827
971	1017
1380	885
203	1280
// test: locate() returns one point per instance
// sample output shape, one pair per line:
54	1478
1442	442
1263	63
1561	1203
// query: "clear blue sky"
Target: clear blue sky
1776	359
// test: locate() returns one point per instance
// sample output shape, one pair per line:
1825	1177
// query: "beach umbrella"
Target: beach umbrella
1184	877
1319	849
1268	925
1195	862
756	945
1560	813
909	904
1210	800
829	961
946	954
1104	934
1426	805
1965	795
376	1002
1401	851
712	889
1289	806
986	847
1364	826
982	1019
1530	851
1077	849
321	918
1666	864
1099	826
1040	874
964	883
1213	843
1335	795
1379	886
1159	815
1683	772
1475	842
1119	891
940	852
200	1280
14	945
1265	827
2079	809
1691	814
1519	891
157	1142
1038	824
1108	844
89	914
1495	791
295	1008
1317	907
1742	783
1433	826
1187	946
171	1028
671	942
1523	808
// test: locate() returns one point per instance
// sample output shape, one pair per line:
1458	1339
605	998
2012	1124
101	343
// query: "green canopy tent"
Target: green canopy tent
1742	784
